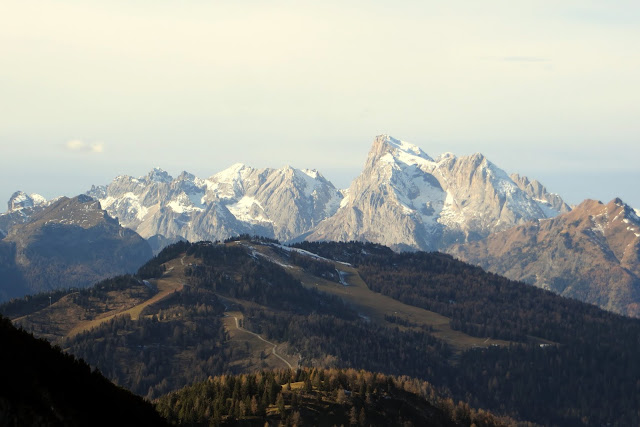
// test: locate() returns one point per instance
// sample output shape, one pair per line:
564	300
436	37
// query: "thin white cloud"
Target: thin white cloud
82	146
516	58
525	59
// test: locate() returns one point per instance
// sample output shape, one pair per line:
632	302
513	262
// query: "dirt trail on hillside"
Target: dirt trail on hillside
172	281
273	350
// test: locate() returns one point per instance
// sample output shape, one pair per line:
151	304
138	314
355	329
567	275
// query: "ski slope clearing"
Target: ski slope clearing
377	307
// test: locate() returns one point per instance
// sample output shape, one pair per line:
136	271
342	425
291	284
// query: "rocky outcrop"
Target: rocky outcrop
591	253
550	203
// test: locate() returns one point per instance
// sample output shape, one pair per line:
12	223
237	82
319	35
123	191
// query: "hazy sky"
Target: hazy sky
93	89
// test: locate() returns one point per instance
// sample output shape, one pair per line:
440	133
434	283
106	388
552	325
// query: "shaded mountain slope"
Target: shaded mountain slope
591	253
70	243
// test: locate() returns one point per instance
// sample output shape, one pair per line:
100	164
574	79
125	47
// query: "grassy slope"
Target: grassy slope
376	306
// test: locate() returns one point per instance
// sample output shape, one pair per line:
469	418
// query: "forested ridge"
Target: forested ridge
569	363
311	396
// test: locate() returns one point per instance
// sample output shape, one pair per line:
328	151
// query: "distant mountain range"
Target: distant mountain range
403	198
279	203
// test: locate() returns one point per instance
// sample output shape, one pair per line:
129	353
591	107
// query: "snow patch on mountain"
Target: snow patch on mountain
248	209
227	184
345	200
197	199
184	203
407	152
311	173
307	253
451	215
419	196
128	202
551	204
309	183
546	208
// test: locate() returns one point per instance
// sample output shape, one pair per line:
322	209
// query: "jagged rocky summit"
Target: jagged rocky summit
407	200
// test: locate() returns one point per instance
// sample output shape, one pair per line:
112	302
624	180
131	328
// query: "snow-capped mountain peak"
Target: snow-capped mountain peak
404	146
405	199
21	200
233	173
388	150
158	175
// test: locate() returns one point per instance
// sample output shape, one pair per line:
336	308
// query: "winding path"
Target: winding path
273	350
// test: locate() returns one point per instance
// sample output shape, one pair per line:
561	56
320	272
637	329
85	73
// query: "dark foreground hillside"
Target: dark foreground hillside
40	385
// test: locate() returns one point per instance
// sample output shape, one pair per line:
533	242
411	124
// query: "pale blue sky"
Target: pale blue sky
90	90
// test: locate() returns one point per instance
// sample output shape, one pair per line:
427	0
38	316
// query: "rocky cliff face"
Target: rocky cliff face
591	253
407	200
71	243
550	203
280	203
